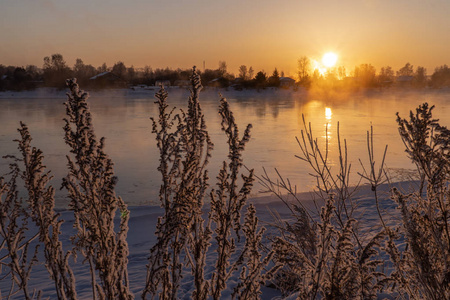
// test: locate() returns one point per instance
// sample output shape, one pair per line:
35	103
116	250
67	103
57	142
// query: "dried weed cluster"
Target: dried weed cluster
185	149
328	257
90	185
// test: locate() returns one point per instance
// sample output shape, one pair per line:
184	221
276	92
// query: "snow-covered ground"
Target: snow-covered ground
141	238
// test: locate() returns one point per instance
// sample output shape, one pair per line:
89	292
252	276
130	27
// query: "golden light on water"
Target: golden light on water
328	113
327	125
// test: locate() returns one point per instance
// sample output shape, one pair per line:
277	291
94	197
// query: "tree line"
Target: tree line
365	75
55	70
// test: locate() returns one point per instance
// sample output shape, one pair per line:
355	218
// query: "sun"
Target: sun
329	59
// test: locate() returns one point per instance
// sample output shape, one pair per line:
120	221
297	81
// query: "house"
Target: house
404	80
286	82
108	79
6	77
220	82
386	83
182	83
5	82
165	83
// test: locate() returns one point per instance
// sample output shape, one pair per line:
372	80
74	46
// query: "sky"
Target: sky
259	33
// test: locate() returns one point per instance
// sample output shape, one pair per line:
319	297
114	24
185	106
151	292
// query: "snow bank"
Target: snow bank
141	238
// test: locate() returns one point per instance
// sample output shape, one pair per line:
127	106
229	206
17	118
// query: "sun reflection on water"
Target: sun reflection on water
327	124
328	113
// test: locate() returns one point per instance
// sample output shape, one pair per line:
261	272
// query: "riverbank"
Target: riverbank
142	226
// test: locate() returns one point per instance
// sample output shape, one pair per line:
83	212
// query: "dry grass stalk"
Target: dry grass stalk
15	263
184	154
91	184
227	201
41	204
325	256
426	217
185	149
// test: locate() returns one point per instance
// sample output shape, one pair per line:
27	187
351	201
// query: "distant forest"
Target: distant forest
55	71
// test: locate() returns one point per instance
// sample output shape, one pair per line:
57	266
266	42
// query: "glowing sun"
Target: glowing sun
329	59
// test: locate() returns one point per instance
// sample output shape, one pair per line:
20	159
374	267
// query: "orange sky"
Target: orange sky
259	33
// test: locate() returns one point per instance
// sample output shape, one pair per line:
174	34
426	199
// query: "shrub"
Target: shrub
185	149
426	264
90	184
324	256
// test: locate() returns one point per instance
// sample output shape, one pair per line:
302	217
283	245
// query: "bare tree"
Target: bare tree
243	72
120	70
365	75
251	72
303	67
386	74
223	68
342	73
420	77
56	70
407	70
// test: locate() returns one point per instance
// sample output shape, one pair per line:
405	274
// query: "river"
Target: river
122	116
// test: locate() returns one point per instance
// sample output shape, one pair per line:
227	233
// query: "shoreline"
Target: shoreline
141	238
58	93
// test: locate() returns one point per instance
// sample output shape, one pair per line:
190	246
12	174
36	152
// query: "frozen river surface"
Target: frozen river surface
122	116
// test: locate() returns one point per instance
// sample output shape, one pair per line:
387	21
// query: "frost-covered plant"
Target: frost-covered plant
337	270
184	154
15	263
252	276
325	256
41	204
326	180
182	235
227	201
428	145
91	184
38	207
425	267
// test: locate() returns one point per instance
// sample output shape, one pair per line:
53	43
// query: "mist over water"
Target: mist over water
122	116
